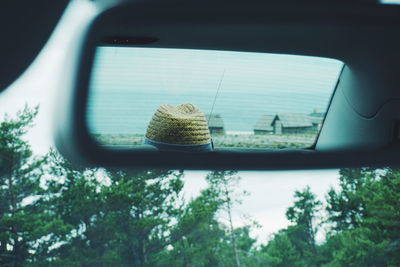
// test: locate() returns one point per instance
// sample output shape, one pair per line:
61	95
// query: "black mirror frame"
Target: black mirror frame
75	143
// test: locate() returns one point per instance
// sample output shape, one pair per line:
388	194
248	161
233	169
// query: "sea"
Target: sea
129	84
129	111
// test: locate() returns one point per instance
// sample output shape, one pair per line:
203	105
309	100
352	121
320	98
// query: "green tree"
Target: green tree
224	185
366	214
280	251
247	246
355	247
71	195
345	206
144	205
295	245
22	222
205	240
199	236
303	215
382	216
245	243
118	218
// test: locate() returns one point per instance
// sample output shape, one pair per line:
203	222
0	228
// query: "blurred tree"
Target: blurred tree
224	185
356	248
303	215
247	246
143	206
345	206
366	215
199	236
295	245
116	218
382	217
53	213
205	240
22	222
281	252
72	195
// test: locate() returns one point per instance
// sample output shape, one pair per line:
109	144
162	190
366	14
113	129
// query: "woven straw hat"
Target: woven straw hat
183	127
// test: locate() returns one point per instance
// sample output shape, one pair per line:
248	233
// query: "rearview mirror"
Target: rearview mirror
254	86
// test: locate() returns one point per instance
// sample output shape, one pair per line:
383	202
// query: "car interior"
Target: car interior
360	123
275	88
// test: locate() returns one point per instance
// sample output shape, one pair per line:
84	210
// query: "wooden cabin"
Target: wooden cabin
292	123
215	124
264	125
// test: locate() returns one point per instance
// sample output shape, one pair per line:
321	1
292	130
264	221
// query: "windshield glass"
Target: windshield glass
55	214
248	100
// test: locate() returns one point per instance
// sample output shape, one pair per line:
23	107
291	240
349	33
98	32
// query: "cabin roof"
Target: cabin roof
264	123
291	120
214	121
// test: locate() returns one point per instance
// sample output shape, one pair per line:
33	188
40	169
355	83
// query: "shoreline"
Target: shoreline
231	139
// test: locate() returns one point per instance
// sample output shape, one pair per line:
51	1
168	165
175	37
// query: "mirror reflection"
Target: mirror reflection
200	100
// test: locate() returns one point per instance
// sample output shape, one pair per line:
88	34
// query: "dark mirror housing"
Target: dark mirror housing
361	123
25	28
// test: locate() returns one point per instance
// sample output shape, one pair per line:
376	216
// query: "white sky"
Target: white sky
252	85
271	193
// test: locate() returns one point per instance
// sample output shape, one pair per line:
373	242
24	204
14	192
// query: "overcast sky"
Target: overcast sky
128	84
182	70
271	193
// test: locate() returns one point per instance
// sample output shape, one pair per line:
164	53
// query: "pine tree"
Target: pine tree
366	214
22	222
302	214
346	206
295	245
199	237
117	218
224	184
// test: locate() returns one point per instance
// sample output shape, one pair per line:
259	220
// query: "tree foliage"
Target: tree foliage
22	224
55	214
366	217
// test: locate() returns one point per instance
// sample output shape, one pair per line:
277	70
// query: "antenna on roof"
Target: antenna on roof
216	94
